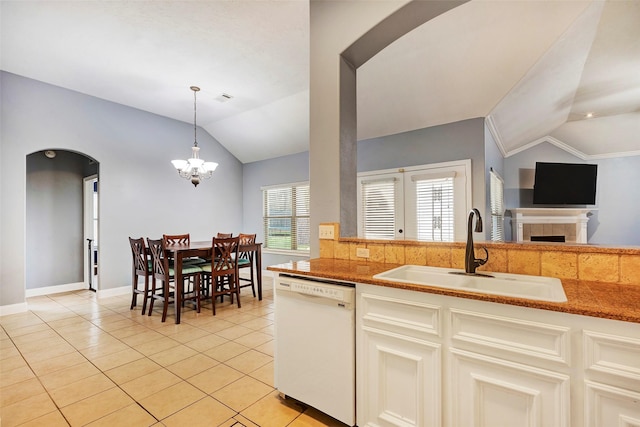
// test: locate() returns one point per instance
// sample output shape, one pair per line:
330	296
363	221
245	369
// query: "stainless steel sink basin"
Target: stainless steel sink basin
511	285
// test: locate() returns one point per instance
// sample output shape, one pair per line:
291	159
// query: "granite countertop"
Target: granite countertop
596	299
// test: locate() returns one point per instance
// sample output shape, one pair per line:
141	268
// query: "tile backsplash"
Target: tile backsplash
565	261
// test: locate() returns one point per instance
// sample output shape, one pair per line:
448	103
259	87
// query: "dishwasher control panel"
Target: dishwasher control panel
317	289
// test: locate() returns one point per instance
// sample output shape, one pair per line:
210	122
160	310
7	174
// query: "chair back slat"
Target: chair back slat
225	255
224	235
176	239
140	256
160	266
247	239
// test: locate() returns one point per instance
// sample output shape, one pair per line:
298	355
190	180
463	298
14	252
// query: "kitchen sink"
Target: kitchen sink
511	285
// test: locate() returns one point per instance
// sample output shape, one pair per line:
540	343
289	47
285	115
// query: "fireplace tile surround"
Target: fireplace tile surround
562	260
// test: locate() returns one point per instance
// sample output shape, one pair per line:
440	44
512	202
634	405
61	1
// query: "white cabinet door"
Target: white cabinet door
492	392
611	406
612	385
399	379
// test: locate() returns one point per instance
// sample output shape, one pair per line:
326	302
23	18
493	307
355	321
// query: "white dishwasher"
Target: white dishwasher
315	344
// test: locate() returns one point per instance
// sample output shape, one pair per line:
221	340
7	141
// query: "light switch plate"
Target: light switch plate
326	232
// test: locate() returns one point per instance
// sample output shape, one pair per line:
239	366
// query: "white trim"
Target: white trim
373	180
285	185
563	146
6	310
614	155
435	175
493	130
113	292
553	141
56	289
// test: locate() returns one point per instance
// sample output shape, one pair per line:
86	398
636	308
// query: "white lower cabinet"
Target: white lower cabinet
402	379
432	360
400	364
489	392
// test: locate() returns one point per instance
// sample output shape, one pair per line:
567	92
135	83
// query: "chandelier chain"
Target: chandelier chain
195	128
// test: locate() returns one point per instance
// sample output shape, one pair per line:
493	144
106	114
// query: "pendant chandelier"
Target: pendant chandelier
195	169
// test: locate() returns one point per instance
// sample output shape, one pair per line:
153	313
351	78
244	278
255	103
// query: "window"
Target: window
379	205
497	206
286	217
426	202
434	208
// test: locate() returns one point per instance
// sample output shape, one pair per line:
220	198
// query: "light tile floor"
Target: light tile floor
74	359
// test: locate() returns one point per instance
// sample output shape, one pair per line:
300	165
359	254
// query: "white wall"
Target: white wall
140	192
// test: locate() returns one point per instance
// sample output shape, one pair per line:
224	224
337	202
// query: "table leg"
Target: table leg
259	272
177	300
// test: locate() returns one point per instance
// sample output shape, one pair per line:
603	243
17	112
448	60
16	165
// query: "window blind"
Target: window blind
435	209
286	217
378	209
497	206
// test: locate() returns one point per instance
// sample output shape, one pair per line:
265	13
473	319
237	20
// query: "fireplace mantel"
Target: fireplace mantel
547	217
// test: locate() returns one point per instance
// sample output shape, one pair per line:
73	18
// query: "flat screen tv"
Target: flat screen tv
565	184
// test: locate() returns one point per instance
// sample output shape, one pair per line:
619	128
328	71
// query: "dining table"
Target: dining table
203	249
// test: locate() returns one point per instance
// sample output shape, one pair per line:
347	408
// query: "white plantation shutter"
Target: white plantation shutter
497	206
378	208
435	209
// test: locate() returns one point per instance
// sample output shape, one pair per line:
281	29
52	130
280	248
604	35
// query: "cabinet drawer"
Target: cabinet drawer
398	315
612	354
533	339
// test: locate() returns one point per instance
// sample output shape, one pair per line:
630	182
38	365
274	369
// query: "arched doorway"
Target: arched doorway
59	219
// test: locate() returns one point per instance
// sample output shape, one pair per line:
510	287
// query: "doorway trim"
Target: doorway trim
91	221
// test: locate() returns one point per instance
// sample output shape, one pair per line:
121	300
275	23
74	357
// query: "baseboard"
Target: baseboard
6	310
57	289
113	292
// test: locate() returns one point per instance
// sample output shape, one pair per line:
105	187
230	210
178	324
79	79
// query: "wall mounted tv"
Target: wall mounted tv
565	184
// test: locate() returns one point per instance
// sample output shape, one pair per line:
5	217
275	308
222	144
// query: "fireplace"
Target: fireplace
550	224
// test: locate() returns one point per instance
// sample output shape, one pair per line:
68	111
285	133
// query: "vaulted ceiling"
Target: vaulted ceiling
567	73
535	69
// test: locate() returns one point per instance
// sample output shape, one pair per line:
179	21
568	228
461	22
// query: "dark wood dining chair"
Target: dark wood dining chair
224	235
163	272
182	239
220	277
176	239
245	260
140	267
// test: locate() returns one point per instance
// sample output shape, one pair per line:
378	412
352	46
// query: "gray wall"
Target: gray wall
54	222
453	141
614	220
140	192
281	170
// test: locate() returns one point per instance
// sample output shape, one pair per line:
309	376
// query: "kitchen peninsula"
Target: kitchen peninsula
427	355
